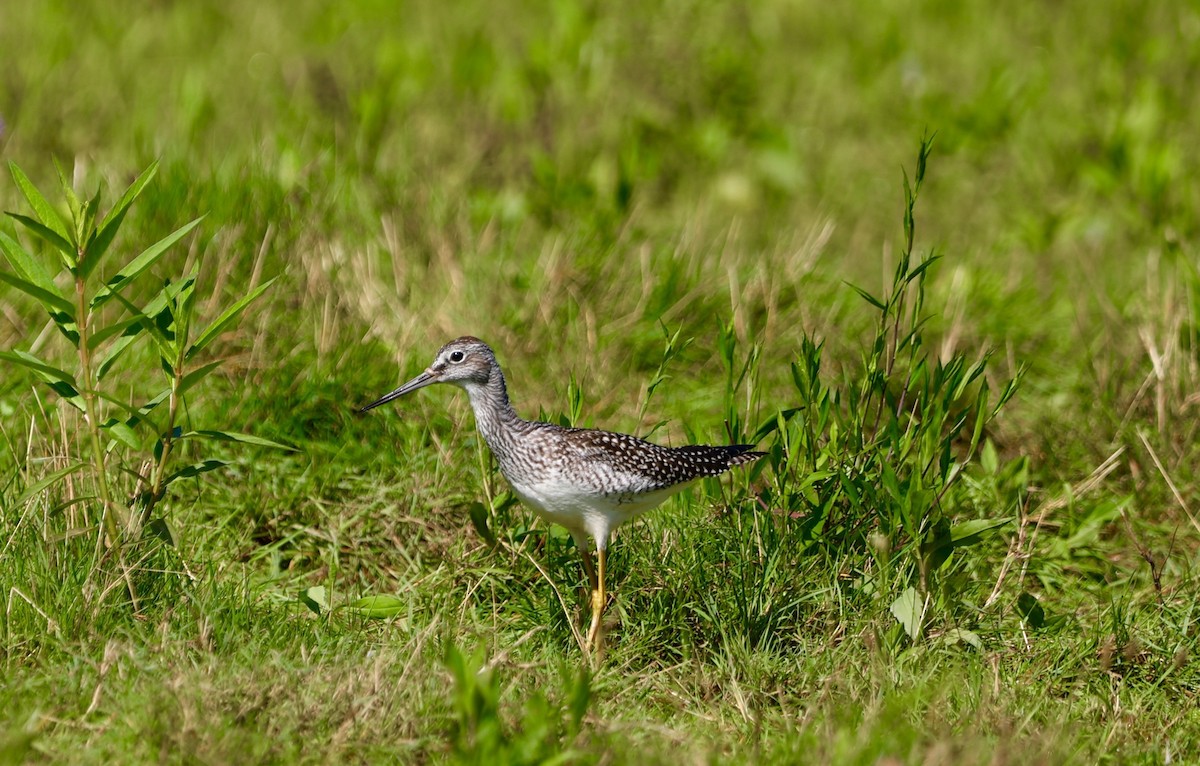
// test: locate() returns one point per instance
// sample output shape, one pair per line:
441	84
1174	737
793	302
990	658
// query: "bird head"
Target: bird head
464	362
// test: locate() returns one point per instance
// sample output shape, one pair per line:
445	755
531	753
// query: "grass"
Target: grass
652	213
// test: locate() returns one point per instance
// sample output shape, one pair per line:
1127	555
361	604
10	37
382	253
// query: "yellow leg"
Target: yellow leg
588	568
599	597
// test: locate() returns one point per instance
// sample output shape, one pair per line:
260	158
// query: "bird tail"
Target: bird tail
740	454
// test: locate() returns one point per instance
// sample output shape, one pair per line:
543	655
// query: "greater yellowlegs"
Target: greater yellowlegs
589	481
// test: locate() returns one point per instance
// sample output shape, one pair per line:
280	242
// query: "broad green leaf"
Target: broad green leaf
962	636
113	354
580	696
85	232
1031	610
60	381
158	303
122	433
197	375
230	314
25	264
112	222
66	249
181	312
814	477
989	461
134	268
195	469
909	610
99	243
54	303
43	209
775	422
972	531
66	325
479	519
159	528
129	326
382	606
68	190
134	416
231	436
93	207
314	598
46	481
166	350
69	394
153	404
83	212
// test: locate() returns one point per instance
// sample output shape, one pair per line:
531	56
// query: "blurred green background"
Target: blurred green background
565	179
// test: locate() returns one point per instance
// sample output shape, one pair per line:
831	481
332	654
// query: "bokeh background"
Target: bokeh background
576	182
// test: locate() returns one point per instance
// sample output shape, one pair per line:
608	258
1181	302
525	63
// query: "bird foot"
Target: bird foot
595	637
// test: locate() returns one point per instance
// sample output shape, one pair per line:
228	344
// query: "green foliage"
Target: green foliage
543	733
566	180
874	462
139	433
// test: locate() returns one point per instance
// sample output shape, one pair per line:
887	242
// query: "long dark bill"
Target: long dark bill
424	379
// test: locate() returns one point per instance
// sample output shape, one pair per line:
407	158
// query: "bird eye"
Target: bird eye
456	356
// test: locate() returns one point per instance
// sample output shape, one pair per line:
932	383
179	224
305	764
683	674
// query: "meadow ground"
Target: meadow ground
678	219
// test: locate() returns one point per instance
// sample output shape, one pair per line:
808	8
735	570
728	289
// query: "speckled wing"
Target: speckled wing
619	464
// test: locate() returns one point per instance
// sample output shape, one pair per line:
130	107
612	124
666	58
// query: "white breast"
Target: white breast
583	512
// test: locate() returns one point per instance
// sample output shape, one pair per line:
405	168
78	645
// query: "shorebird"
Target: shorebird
587	480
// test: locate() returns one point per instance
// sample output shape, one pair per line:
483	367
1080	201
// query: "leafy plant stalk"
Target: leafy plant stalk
100	339
871	464
108	510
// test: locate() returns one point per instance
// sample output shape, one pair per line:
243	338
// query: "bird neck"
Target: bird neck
494	415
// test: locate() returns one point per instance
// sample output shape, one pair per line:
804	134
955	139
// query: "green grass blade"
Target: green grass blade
45	212
139	264
378	607
230	314
233	436
47	481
